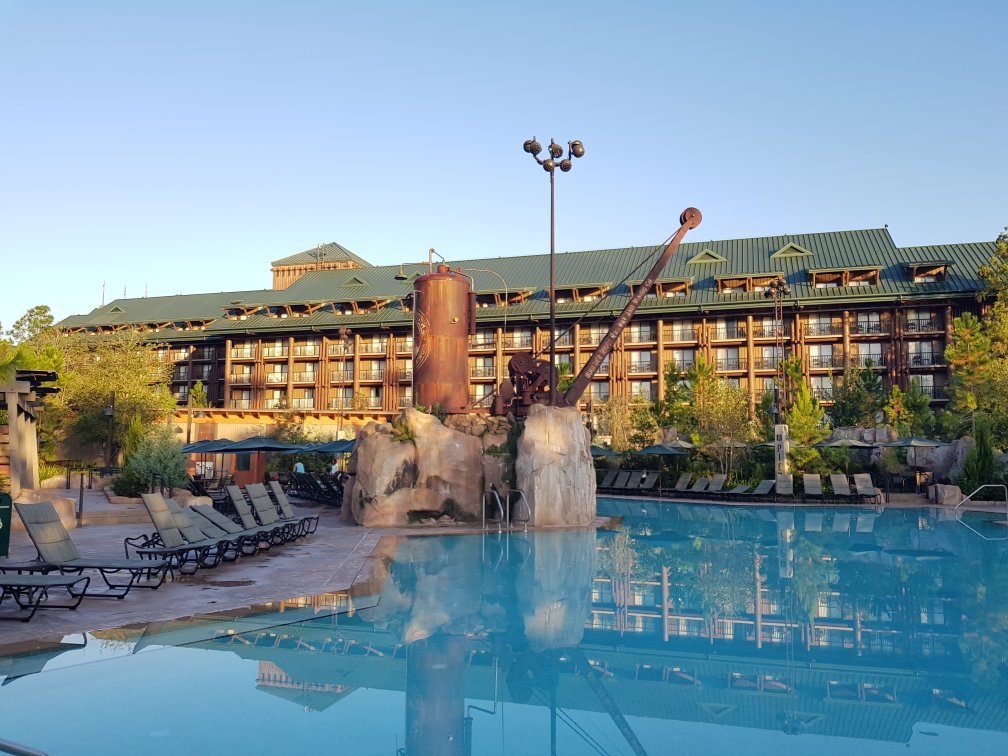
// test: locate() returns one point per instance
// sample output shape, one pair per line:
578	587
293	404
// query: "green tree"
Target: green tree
920	416
198	395
158	457
672	410
979	467
807	426
32	325
856	398
896	412
969	356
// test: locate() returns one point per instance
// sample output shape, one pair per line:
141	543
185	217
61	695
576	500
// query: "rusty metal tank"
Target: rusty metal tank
443	318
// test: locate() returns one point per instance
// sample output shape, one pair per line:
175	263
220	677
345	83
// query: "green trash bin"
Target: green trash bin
5	523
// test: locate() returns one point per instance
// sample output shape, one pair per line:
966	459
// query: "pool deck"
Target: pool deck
330	560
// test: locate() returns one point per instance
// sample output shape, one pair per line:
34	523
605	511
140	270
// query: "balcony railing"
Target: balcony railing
868	360
635	368
241	404
404	346
935	392
822	329
869	327
308	377
728	333
405	401
306	350
926	359
482	371
680	366
243	353
274	352
304	403
820	361
178	355
340	402
767	331
375	374
405	374
275	403
518	341
730	363
641	337
823	393
483	341
480	400
341	350
276	377
341	376
919	325
240	378
565	339
203	354
370	347
590	338
680	335
374	402
598	398
765	363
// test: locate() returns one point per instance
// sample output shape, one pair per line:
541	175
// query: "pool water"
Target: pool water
687	629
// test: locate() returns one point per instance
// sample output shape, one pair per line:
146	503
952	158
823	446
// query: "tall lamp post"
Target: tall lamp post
574	149
776	290
109	413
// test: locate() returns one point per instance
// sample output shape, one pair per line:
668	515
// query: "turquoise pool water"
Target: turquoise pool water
689	629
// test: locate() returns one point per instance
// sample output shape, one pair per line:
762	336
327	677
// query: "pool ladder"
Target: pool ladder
1004	490
522	515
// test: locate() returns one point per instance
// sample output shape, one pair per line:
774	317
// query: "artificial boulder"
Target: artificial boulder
554	467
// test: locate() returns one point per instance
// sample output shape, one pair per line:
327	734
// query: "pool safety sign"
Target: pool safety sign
782	445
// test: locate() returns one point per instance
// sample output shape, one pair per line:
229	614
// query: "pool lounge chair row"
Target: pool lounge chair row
321	489
59	567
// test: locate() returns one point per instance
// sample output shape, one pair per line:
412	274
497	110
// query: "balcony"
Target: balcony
340	403
375	374
767	331
276	377
590	338
926	359
304	403
341	350
938	393
405	374
636	368
823	393
240	378
404	346
598	398
868	360
518	341
307	350
565	339
680	366
821	361
922	325
730	363
405	401
374	402
178	355
765	363
308	377
679	335
243	353
482	341
728	333
242	404
203	355
372	347
341	376
869	327
822	329
641	337
275	404
274	352
482	371
480	400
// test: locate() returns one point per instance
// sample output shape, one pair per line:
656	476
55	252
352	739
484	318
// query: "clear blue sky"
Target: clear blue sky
181	146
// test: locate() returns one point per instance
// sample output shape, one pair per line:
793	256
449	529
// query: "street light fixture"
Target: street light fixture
574	149
109	413
776	290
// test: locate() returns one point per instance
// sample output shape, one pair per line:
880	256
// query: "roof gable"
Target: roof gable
706	256
791	250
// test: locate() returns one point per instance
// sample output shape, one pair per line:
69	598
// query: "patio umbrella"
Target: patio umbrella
598	451
258	444
678	443
660	451
912	442
342	446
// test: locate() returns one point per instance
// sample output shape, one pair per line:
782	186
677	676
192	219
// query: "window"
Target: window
641	362
727	358
869	322
599	392
869	355
642	390
482	367
821	356
681	358
822	387
641	332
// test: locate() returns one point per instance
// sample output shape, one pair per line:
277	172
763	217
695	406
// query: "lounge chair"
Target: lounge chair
259	535
699	486
841	487
784	487
812	487
716	485
31	592
54	547
186	555
738	491
866	489
195	529
279	533
608	479
648	481
763	489
266	511
621	481
309	522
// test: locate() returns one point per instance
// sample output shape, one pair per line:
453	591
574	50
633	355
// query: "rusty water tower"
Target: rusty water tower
444	316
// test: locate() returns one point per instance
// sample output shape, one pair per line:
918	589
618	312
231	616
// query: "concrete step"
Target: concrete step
117	517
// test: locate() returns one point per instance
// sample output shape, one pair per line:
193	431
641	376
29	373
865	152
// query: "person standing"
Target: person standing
299	466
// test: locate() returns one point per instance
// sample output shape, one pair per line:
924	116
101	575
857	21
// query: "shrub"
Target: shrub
158	455
47	470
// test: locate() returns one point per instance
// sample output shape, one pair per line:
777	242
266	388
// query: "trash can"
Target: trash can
5	523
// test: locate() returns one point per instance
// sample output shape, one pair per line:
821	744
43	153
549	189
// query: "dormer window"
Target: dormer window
664	288
928	272
829	279
582	293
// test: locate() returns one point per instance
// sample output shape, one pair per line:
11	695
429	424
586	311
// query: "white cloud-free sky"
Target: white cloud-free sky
179	147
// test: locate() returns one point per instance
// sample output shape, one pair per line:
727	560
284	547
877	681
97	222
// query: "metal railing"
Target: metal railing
922	324
822	329
926	359
820	361
649	366
276	377
730	363
308	377
240	378
870	327
680	334
243	353
306	350
274	351
1004	490
868	360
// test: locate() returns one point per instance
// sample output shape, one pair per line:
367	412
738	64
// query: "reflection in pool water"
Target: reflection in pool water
698	628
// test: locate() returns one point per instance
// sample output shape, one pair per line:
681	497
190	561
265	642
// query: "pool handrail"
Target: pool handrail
965	499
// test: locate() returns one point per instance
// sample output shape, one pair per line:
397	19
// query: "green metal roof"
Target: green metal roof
323	253
843	250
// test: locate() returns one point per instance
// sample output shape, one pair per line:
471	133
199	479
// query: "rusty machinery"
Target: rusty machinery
529	378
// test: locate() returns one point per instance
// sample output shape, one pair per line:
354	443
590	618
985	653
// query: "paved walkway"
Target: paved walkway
329	560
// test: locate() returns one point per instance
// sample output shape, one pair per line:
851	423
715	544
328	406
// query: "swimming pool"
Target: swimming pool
692	629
